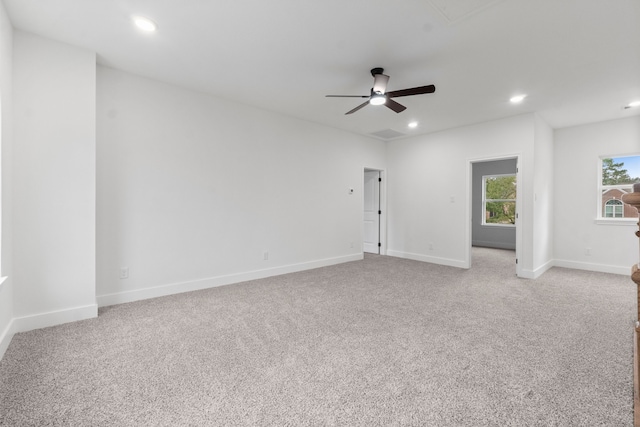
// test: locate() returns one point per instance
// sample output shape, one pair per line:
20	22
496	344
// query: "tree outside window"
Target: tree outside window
499	200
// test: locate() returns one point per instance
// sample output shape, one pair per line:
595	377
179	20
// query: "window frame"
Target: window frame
600	202
484	200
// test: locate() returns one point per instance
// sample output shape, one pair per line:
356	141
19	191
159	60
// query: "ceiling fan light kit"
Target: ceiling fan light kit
380	96
377	99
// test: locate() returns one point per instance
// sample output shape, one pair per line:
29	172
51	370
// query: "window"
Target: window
499	200
613	209
617	176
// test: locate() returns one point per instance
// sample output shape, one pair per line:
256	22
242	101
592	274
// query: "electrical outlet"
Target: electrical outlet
265	256
124	272
587	251
430	246
351	245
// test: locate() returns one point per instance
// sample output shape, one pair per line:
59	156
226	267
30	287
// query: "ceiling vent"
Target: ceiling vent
387	134
455	11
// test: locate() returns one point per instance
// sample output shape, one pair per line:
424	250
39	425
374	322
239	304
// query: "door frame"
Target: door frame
469	210
383	207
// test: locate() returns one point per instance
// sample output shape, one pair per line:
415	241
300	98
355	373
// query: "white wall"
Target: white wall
192	190
429	188
54	176
6	141
543	191
614	248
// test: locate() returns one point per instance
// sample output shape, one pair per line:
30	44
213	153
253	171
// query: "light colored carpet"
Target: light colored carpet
383	341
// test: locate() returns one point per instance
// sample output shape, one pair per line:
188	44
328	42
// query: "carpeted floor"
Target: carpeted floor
383	341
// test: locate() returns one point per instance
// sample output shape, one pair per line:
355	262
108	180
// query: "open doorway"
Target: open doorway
373	224
495	205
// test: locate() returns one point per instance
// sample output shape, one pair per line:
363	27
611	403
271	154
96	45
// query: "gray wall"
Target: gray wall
490	236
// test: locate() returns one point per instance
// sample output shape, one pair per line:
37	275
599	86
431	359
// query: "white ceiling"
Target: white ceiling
578	60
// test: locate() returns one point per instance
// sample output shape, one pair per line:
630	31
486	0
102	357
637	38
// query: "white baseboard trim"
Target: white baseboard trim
602	268
5	338
527	274
52	318
534	274
429	259
196	285
495	245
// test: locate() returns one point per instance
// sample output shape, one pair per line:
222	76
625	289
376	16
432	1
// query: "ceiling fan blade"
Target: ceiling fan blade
347	96
398	108
357	108
380	83
413	91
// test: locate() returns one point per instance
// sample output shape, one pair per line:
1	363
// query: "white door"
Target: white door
371	192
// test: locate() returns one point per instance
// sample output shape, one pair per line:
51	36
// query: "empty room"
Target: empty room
353	213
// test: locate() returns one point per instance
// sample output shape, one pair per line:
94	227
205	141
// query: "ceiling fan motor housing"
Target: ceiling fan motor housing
375	71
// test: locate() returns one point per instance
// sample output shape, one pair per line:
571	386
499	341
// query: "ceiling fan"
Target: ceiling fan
380	96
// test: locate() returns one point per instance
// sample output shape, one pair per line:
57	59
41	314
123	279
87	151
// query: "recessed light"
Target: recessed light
633	104
145	24
518	98
413	124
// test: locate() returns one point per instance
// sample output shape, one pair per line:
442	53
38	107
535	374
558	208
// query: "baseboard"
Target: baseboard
526	274
196	285
534	274
52	318
602	268
495	245
429	259
5	338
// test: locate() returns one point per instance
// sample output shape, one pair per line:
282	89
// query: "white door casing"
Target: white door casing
371	216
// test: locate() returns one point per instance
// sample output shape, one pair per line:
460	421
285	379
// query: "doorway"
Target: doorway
495	205
372	212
